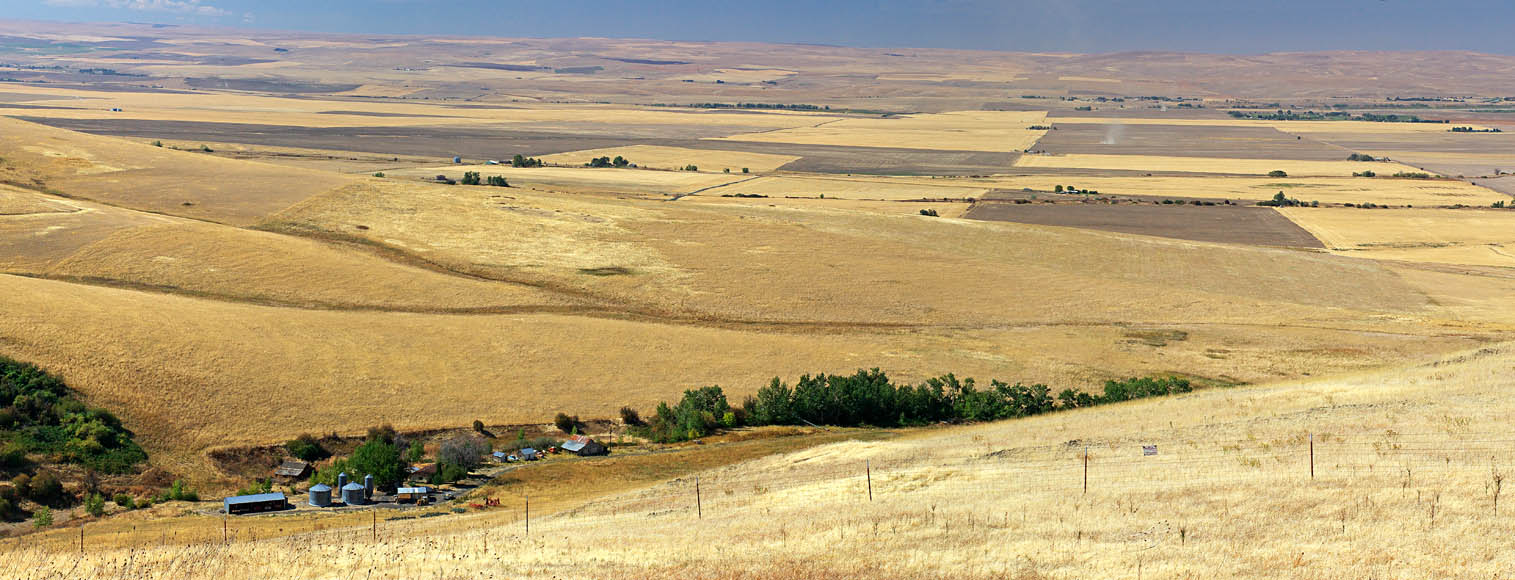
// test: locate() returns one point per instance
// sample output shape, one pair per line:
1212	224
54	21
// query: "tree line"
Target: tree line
869	397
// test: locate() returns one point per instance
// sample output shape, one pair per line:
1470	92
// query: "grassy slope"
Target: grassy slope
1228	491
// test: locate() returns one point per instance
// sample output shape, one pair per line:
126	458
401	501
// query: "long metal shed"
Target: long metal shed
263	502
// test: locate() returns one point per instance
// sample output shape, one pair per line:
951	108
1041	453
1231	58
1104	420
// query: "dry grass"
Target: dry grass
954	131
1335	190
893	189
675	158
1403	463
15	201
1302	127
32	242
582	179
155	179
1157	163
234	264
1468	237
216	107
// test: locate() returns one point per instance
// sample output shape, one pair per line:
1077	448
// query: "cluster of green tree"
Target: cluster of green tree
1283	115
746	195
870	398
1084	108
1039	128
929	212
473	178
1369	205
385	455
1281	200
1412	175
40	415
1363	157
1278	173
691	167
1368	173
1191	202
523	161
776	106
1071	189
608	162
1472	130
1498	204
379	456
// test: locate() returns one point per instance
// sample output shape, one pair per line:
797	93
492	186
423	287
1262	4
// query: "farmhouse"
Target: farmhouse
247	504
584	446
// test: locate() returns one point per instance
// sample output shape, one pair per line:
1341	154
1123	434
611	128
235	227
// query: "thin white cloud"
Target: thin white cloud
193	7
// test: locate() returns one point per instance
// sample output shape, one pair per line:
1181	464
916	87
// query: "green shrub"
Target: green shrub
379	174
306	448
94	505
1278	173
256	487
125	500
567	423
630	417
42	518
416	451
46	490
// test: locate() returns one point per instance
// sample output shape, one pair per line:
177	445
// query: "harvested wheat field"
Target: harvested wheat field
1303	127
1326	190
156	179
582	179
677	158
952	131
881	188
216	261
1473	237
1157	163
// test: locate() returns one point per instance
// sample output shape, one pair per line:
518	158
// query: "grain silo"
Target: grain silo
368	486
320	495
341	481
352	494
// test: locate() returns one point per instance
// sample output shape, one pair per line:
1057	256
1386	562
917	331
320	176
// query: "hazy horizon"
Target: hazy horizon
1077	26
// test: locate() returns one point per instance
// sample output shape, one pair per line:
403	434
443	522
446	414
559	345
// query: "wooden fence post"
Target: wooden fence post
868	470
528	514
698	507
1086	470
1312	455
375	525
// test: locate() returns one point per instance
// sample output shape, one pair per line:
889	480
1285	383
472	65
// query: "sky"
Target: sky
1255	26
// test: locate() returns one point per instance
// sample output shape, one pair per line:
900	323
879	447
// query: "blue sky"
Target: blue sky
1046	25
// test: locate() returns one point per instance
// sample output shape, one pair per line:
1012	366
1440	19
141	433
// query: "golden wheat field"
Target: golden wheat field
1303	127
953	131
1329	190
1474	237
1160	163
677	158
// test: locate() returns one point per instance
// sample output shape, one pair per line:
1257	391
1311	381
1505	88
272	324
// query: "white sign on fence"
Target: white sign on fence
1149	450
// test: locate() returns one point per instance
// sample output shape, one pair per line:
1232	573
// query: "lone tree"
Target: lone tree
1278	173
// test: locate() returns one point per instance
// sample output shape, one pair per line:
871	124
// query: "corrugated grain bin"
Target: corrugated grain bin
352	494
320	495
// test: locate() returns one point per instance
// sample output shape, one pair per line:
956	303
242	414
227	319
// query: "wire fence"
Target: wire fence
1456	461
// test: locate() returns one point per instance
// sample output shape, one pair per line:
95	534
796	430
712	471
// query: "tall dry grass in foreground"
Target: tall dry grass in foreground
1407	468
